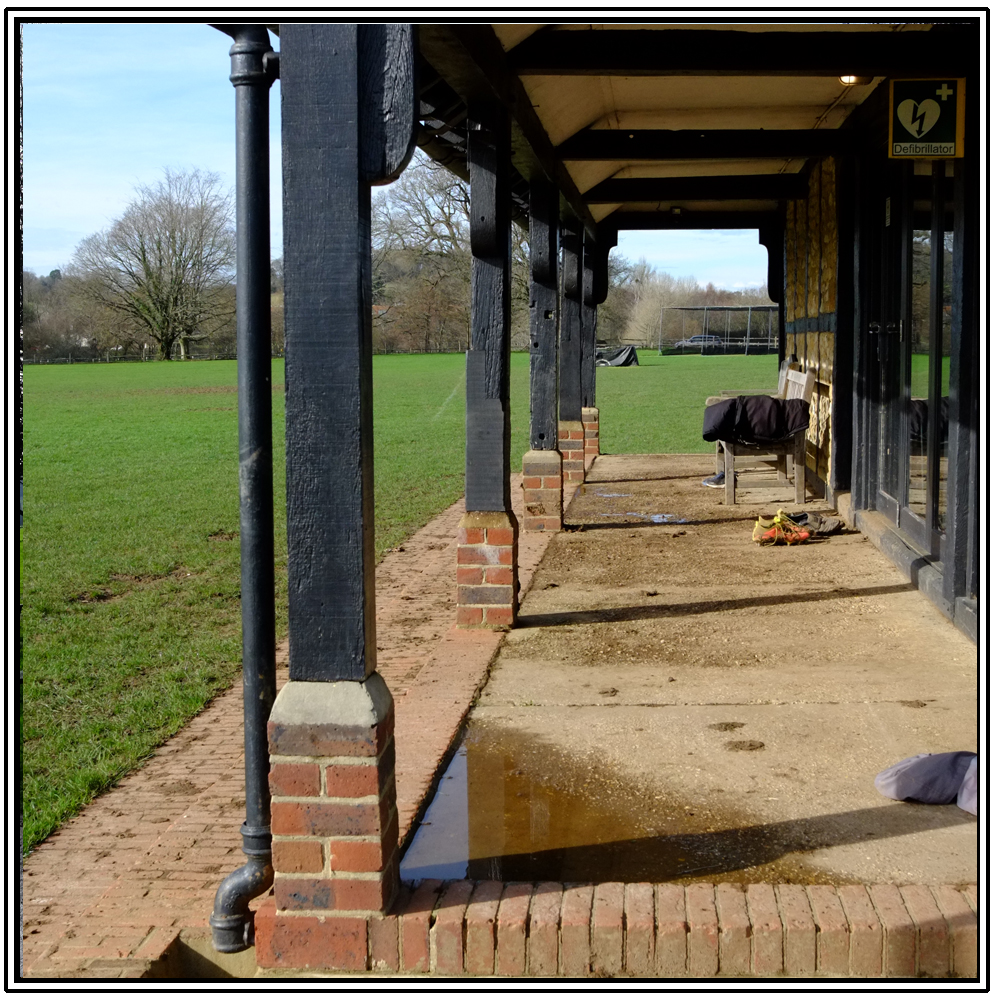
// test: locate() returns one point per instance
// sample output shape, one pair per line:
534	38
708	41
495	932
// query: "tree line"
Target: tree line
159	282
421	268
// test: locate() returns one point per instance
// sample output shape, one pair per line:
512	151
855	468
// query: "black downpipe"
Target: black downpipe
254	68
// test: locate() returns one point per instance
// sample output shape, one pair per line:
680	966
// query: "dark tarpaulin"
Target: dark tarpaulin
617	357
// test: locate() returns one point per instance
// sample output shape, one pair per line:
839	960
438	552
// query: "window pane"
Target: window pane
942	500
919	362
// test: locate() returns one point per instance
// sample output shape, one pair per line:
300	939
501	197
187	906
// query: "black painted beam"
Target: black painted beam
733	219
570	391
694	144
588	326
444	116
487	386
606	240
772	237
945	51
543	298
741	187
346	122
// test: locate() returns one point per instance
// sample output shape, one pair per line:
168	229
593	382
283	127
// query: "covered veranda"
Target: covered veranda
578	132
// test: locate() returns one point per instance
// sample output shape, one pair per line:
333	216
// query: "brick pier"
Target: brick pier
591	435
571	445
543	490
487	569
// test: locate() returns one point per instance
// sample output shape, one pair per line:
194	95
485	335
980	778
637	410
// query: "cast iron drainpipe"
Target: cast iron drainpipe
254	68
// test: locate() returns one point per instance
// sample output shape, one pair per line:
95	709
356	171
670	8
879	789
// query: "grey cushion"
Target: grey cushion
968	794
935	778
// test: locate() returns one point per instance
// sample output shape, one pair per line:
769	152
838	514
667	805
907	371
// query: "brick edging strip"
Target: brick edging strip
643	930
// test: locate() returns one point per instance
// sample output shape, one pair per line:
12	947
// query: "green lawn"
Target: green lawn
920	375
130	582
657	407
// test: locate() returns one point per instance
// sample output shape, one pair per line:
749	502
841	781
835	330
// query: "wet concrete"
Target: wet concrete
678	704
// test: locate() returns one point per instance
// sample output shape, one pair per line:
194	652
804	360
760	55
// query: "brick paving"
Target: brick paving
119	881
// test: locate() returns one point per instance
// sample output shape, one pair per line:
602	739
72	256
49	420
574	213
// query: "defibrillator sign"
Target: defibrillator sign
927	119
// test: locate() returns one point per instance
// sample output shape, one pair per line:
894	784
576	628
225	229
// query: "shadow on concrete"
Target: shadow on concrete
644	522
740	850
643	612
647	479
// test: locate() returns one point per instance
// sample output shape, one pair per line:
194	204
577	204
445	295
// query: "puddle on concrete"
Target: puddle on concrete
654	518
514	809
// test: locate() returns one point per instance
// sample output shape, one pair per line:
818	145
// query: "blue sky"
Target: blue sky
108	106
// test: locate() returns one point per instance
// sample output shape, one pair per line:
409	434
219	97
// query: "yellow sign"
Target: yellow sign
927	119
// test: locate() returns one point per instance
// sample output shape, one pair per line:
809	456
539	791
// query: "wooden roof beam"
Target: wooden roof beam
945	50
622	220
707	144
739	187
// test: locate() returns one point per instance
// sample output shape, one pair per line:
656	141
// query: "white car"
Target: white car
700	340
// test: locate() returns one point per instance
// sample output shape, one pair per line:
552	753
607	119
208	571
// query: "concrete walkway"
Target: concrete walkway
669	684
674	683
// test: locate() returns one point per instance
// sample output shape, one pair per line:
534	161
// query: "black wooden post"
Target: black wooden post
961	541
487	579
544	305
589	414
335	146
845	361
594	291
570	390
588	327
542	464
348	116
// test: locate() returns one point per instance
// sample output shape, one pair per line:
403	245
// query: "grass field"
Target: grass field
658	406
130	582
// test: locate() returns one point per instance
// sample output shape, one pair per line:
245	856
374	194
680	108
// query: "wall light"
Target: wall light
855	81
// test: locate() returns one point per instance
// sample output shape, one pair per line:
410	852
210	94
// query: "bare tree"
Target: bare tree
426	210
166	262
422	264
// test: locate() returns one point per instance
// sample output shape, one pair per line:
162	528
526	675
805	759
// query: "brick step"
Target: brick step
641	930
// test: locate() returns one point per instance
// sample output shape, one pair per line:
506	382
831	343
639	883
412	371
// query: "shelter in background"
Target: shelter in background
724	329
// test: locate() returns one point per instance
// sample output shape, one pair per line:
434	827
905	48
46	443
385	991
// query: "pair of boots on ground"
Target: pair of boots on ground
791	529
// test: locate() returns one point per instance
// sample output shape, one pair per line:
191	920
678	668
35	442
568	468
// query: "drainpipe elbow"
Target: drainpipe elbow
231	920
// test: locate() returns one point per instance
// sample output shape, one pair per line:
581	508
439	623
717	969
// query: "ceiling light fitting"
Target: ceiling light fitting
855	81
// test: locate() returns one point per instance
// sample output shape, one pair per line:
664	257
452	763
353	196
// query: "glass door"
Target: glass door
887	327
926	349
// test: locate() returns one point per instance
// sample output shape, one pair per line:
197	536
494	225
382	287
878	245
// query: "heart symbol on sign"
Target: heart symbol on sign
918	119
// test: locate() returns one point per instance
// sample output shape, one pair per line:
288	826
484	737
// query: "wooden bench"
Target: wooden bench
789	456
